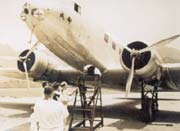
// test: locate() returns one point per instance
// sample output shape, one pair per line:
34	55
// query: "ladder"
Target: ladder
88	106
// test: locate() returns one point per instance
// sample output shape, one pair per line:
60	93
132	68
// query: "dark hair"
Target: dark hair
44	84
64	83
56	85
48	90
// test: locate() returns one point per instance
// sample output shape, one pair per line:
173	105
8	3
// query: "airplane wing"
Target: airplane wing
170	66
48	70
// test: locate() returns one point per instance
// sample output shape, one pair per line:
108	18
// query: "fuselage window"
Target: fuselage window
77	8
106	38
114	45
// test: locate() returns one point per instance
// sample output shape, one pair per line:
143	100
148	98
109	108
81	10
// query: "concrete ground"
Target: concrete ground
119	113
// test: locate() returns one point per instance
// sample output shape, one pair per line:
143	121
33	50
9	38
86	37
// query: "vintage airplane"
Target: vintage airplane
69	35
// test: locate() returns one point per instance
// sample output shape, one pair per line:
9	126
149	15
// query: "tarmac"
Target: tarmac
119	113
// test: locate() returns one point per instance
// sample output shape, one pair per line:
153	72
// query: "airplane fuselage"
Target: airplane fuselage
68	37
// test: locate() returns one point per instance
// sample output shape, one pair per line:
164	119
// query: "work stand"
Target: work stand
87	104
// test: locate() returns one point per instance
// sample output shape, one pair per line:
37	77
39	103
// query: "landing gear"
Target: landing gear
149	102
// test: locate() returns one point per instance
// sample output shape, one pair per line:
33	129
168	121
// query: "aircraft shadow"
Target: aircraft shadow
127	114
130	117
168	116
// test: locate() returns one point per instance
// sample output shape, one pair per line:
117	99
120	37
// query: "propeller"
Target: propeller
29	52
130	77
134	53
24	60
159	43
127	48
26	73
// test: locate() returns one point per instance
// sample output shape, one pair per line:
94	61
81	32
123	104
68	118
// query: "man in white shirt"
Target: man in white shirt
49	115
66	96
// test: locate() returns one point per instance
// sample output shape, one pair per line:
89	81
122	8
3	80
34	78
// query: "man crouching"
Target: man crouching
48	115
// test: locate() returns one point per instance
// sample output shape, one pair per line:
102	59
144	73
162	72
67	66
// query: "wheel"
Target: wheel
148	109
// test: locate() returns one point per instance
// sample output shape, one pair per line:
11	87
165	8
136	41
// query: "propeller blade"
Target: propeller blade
130	77
127	48
26	73
159	43
30	51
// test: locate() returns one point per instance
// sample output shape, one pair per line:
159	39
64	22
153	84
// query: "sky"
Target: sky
128	19
12	30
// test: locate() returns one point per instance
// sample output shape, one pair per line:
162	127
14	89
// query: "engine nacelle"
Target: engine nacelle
145	65
39	66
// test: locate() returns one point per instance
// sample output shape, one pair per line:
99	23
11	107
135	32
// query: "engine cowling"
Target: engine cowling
39	66
145	65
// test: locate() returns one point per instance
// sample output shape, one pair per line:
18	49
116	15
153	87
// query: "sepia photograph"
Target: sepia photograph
89	65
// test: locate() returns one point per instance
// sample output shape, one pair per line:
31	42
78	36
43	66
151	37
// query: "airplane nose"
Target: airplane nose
29	11
25	11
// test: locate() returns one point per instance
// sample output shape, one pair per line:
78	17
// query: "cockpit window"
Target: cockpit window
77	8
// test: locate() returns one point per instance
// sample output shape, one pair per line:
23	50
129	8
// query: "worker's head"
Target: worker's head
64	84
48	91
56	85
45	84
91	70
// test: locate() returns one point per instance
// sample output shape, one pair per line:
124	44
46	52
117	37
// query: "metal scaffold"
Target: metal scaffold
87	104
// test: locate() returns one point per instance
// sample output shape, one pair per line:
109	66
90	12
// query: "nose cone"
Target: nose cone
24	12
31	12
